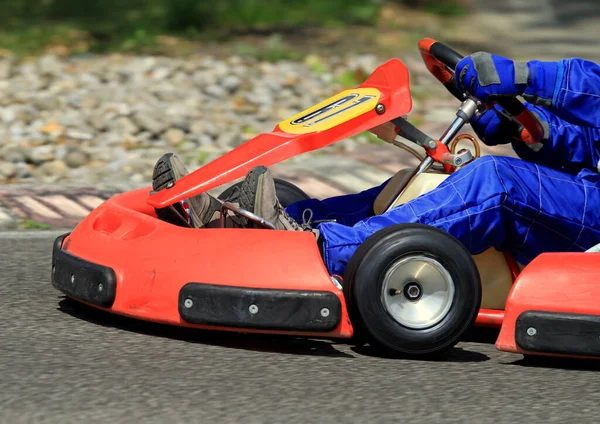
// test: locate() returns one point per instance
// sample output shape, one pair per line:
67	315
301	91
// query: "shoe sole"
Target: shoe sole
162	176
165	174
251	185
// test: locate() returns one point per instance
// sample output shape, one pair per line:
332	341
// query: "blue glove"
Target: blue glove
496	127
493	128
485	75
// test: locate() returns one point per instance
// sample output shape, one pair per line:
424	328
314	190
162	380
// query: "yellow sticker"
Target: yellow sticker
332	112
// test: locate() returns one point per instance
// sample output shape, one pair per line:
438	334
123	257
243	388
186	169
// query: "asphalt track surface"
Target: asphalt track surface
61	362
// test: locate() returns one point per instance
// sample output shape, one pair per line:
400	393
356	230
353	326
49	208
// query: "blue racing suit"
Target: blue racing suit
547	202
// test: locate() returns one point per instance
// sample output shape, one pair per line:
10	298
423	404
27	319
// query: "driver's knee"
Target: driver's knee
499	168
486	174
510	177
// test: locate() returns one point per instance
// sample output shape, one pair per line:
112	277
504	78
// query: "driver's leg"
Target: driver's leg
346	209
204	210
493	202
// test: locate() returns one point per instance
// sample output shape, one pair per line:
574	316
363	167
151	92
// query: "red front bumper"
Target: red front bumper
122	259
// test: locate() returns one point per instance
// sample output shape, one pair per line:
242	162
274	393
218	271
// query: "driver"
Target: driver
547	202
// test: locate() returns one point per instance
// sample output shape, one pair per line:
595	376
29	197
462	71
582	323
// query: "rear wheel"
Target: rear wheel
412	289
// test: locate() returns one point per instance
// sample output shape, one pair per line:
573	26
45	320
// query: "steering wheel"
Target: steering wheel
441	61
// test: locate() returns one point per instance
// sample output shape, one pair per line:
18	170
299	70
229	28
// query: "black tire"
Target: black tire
287	193
364	279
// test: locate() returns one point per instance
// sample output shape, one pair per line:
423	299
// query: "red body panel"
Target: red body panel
489	318
153	260
553	282
391	79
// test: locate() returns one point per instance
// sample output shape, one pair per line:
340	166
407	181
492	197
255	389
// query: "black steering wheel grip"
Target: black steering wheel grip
441	61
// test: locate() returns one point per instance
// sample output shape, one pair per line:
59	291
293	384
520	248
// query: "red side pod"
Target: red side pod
567	283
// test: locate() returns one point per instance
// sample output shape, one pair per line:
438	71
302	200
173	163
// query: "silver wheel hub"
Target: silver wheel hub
417	292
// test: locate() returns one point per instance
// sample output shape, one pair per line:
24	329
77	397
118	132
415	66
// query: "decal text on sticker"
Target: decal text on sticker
333	112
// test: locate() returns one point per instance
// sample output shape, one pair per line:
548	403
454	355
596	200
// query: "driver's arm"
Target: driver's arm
570	88
565	146
565	95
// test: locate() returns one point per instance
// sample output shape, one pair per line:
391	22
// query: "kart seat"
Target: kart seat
422	184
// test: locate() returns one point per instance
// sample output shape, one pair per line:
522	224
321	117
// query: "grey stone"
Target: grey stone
50	65
61	151
8	115
203	79
215	91
79	135
123	125
273	85
12	153
161	73
137	178
180	123
151	123
204	140
174	136
204	127
230	139
99	120
187	146
45	102
40	154
73	118
109	139
23	170
56	168
74	101
144	136
260	98
231	83
6	66
7	169
83	174
7	220
76	158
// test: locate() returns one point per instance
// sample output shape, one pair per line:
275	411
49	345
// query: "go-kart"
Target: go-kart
409	288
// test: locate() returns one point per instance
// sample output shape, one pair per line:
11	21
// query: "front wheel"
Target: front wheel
412	289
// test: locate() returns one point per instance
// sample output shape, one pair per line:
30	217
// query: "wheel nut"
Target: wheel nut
325	312
188	303
100	287
413	291
253	309
531	331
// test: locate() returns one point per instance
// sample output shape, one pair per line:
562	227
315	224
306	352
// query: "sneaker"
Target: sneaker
200	210
258	195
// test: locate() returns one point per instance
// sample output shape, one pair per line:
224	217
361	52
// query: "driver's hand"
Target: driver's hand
492	127
485	75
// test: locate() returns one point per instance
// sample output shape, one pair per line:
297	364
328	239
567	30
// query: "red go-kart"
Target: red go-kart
409	288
